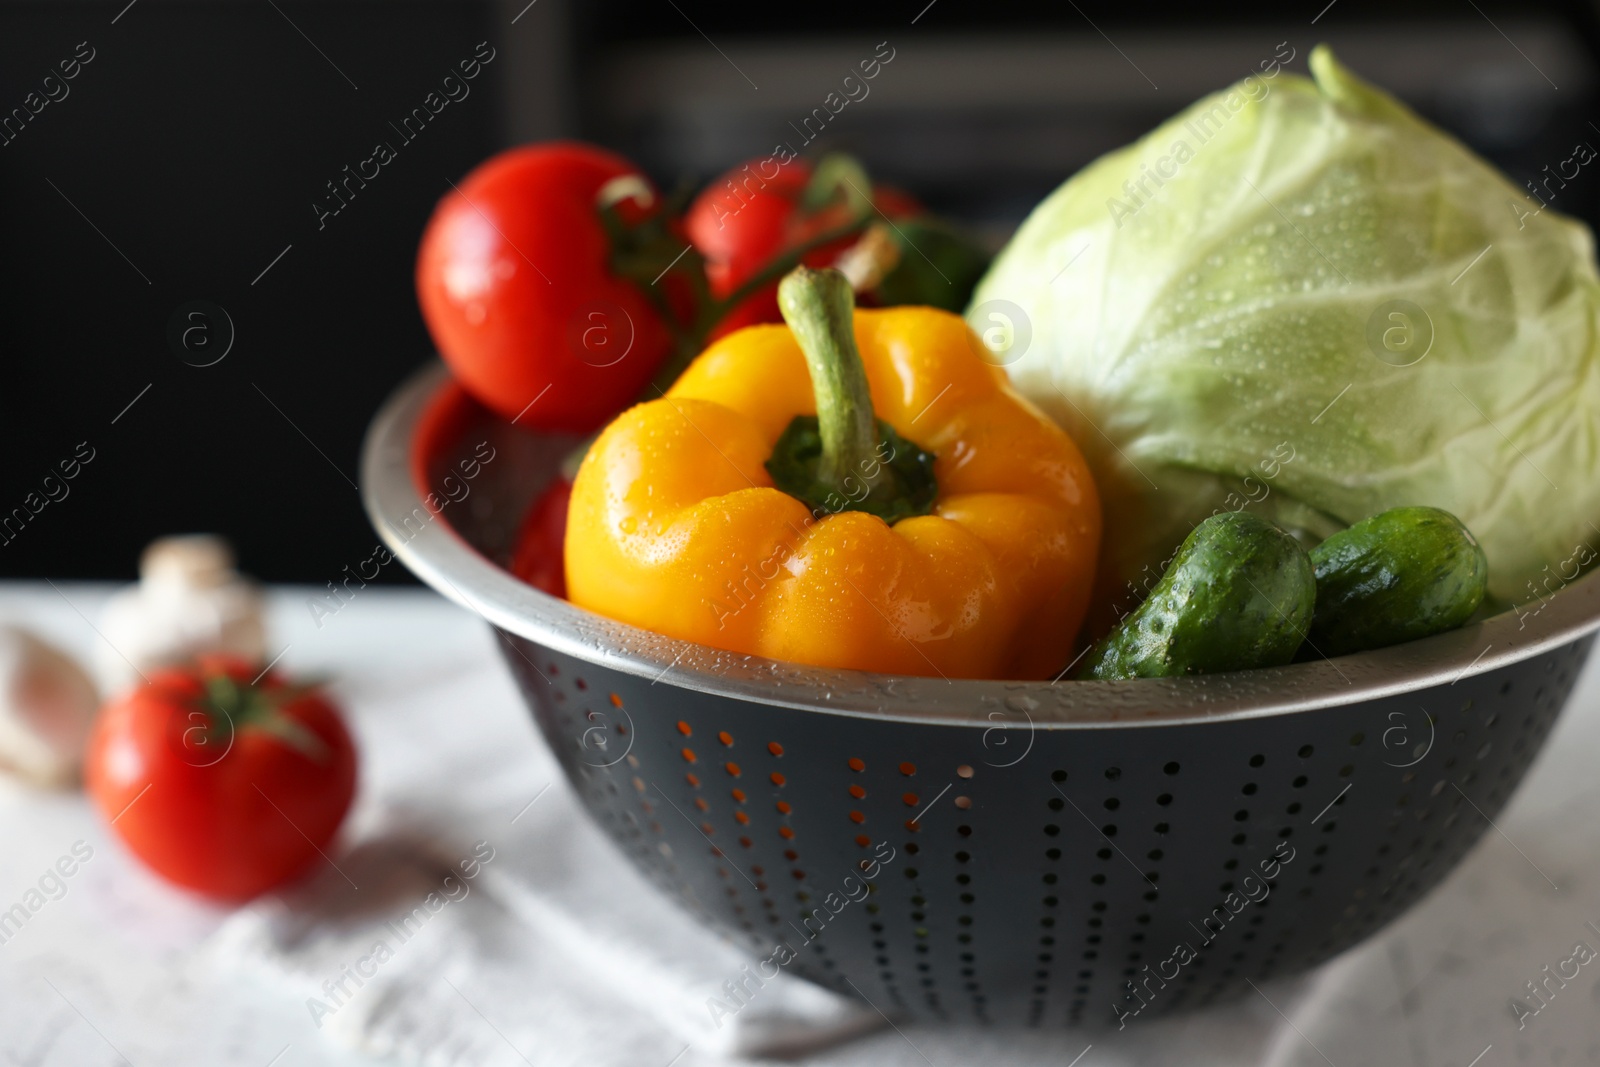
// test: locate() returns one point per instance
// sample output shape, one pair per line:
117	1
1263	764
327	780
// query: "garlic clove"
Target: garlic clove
47	705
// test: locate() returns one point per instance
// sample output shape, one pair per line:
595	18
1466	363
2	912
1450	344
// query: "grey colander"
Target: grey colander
1008	852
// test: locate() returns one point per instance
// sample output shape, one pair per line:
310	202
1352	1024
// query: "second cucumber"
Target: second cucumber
1397	576
1239	594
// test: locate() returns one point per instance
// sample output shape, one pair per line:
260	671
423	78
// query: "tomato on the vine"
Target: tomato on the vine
516	280
537	556
738	232
752	213
222	782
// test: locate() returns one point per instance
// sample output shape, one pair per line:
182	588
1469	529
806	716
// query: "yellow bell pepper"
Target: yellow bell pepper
721	514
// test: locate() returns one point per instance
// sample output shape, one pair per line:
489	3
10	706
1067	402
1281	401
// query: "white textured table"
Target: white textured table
114	971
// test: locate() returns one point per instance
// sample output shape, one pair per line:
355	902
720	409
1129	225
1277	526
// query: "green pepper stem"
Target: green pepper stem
819	307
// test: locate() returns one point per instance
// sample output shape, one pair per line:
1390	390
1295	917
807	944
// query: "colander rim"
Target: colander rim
444	559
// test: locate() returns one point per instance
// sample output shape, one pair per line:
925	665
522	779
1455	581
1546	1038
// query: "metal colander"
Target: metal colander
1006	852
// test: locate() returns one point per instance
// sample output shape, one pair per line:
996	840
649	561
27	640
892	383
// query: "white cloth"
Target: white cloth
557	951
534	943
553	951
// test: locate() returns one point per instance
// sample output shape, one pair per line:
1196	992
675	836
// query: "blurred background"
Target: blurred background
177	172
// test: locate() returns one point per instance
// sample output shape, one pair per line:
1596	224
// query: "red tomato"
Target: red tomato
739	222
539	557
224	787
750	214
515	284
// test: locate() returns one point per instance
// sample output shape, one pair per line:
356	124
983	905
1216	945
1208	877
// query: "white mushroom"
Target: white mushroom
189	601
47	704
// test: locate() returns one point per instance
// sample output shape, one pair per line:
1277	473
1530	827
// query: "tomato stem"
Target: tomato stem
692	341
783	264
839	174
231	705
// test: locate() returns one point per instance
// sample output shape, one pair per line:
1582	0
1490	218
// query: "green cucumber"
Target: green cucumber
1397	576
1239	594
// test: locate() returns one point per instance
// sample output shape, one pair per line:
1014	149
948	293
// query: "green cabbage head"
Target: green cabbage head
1298	297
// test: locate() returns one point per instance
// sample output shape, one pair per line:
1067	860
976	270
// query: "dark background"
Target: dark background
188	153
